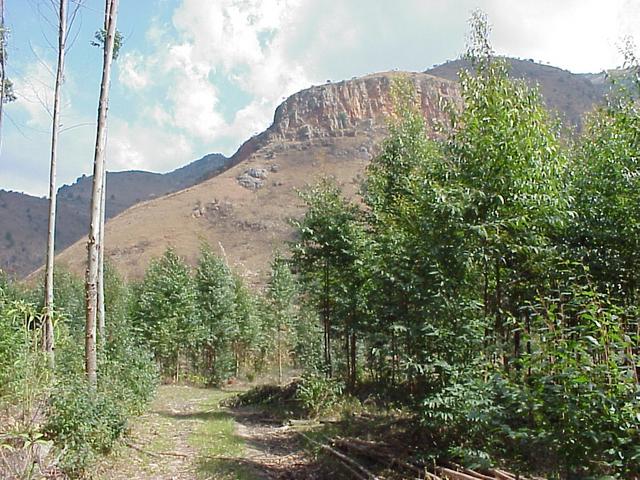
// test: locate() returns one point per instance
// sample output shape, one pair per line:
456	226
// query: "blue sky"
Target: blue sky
201	76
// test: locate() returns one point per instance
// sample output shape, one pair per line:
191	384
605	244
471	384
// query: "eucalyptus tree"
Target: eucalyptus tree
323	253
93	251
417	262
166	310
281	295
510	168
6	85
99	40
63	34
244	338
606	188
3	65
216	294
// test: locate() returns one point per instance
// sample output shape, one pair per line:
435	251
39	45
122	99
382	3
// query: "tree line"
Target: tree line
208	324
489	276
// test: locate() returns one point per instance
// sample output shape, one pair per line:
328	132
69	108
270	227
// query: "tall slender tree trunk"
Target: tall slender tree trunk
327	323
49	340
279	340
101	309
354	359
96	199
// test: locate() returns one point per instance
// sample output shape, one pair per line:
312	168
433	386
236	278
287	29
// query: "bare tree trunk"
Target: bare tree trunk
98	173
279	340
49	340
101	310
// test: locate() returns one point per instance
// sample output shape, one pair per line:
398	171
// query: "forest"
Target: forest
483	287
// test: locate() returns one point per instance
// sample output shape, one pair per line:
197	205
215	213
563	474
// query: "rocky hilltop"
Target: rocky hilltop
327	130
345	108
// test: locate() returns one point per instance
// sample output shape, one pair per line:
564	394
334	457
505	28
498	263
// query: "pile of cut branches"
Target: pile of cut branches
364	460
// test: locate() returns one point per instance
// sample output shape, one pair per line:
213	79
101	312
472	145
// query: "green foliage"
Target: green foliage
576	408
83	422
19	347
100	37
250	332
606	188
326	256
319	395
165	310
281	297
461	284
216	295
127	365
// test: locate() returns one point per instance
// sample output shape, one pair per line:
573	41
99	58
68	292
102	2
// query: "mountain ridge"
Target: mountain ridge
24	218
328	129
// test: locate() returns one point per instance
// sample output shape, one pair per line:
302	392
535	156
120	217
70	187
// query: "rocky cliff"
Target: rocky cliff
344	108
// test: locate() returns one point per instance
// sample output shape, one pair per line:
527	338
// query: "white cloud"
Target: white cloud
34	91
134	71
245	39
579	35
208	74
135	146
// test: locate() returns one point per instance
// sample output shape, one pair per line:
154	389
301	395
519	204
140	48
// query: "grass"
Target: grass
186	421
217	443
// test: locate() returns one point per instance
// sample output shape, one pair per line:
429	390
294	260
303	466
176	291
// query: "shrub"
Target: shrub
83	423
18	347
131	376
319	395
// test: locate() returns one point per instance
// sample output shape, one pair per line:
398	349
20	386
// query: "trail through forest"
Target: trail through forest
187	435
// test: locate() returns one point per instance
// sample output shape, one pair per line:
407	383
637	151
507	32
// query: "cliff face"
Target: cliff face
349	107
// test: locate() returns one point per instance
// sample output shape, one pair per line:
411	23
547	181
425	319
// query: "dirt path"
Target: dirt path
186	435
273	450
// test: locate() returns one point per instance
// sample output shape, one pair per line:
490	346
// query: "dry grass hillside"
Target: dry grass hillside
24	218
327	130
330	130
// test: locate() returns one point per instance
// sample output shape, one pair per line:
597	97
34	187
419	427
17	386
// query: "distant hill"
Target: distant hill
23	218
569	94
333	129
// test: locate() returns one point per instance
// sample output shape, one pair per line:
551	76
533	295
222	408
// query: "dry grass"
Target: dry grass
250	224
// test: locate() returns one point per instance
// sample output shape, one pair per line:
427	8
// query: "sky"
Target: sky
202	76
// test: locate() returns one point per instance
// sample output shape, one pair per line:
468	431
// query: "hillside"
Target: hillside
568	94
331	129
327	130
23	218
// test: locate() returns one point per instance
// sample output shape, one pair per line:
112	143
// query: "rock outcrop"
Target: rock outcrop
352	106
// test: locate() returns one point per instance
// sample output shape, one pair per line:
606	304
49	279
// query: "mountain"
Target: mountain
327	130
569	94
23	218
245	212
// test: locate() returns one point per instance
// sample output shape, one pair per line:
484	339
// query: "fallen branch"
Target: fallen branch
469	471
453	475
354	467
373	450
501	474
156	454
